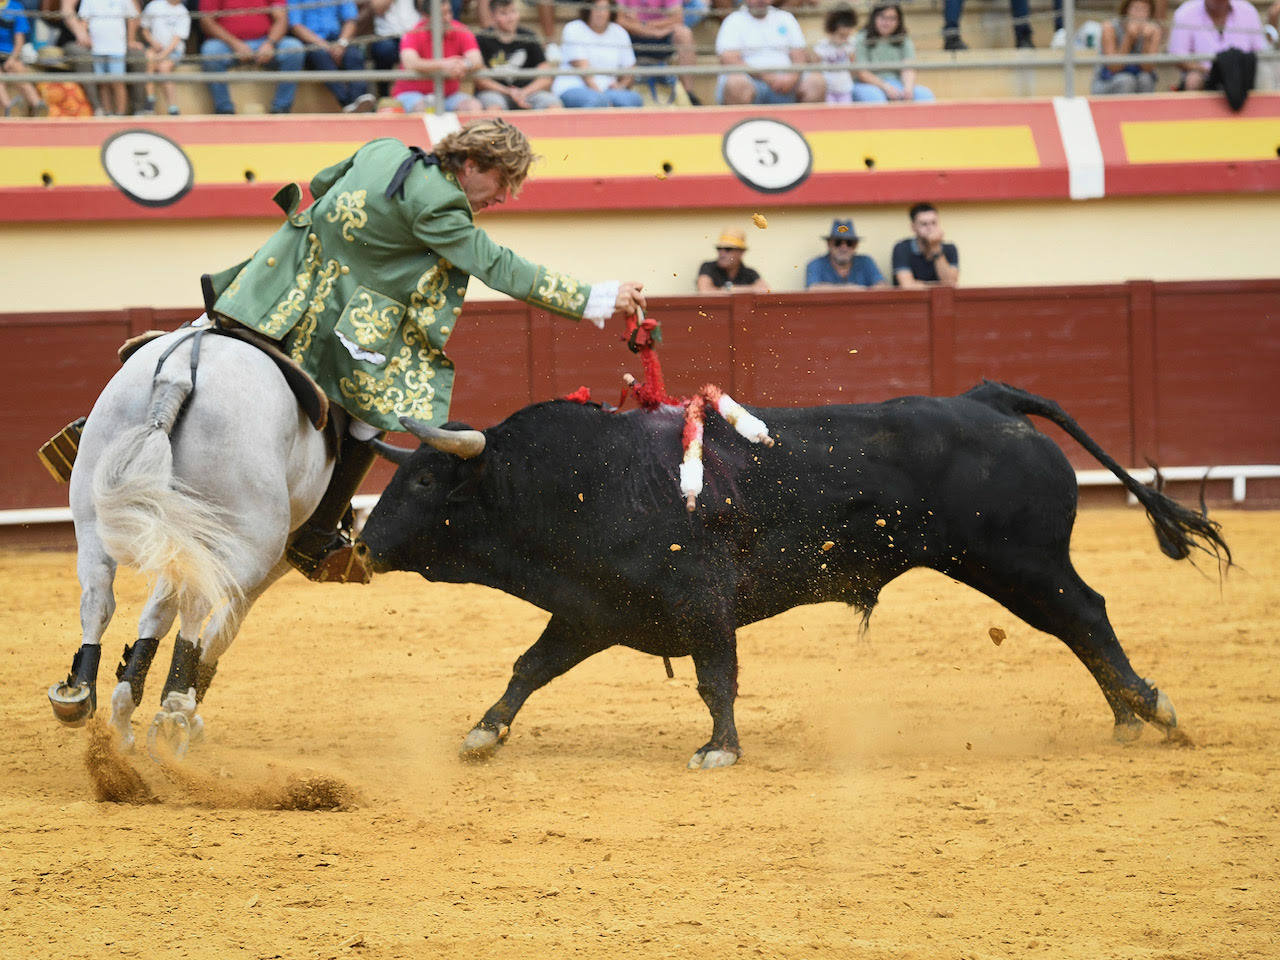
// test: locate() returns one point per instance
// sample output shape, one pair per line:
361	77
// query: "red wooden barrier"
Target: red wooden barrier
1181	373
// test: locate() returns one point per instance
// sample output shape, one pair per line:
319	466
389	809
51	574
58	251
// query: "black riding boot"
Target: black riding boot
319	548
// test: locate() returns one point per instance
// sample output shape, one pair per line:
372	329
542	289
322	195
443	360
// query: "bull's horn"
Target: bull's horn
396	455
461	443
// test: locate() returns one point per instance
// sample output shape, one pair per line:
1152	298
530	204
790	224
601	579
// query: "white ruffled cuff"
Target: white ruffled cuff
602	302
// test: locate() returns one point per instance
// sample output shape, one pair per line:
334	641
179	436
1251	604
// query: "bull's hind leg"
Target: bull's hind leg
1053	598
131	674
561	647
76	699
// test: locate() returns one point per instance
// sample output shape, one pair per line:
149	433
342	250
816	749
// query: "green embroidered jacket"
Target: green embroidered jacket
364	290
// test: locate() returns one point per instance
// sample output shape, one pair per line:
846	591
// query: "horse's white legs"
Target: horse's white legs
157	618
76	700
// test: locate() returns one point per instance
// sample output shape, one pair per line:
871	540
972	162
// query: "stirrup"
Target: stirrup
336	560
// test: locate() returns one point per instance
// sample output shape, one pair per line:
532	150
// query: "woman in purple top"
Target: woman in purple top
1206	28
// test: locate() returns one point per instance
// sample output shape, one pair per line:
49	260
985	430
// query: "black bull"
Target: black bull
578	511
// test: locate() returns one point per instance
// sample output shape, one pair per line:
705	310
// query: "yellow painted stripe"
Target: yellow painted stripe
213	162
995	147
1189	141
835	151
955	148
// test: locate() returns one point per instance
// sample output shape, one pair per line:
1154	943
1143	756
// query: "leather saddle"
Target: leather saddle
310	397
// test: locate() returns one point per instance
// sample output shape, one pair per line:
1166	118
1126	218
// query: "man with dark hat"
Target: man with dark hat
843	267
727	272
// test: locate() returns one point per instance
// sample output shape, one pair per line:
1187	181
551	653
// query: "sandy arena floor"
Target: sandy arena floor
920	793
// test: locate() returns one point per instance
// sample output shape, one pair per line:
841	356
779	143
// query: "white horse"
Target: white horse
199	490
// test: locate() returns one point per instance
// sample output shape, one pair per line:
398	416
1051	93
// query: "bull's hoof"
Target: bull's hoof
73	704
482	743
1127	732
706	759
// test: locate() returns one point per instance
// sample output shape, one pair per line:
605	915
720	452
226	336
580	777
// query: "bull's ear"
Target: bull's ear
397	455
461	443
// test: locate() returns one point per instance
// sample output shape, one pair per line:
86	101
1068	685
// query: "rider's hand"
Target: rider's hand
630	296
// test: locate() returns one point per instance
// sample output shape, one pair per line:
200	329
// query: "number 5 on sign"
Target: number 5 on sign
768	155
148	168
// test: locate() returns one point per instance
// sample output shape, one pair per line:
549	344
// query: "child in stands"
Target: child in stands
166	24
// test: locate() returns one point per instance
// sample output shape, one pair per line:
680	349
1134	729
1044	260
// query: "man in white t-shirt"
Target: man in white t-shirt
770	42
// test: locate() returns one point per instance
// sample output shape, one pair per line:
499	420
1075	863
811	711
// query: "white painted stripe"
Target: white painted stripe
1084	152
440	125
1085	478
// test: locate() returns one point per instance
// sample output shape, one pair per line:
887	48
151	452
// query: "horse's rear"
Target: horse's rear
196	488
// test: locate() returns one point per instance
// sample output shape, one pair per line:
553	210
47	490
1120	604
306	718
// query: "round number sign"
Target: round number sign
149	169
768	155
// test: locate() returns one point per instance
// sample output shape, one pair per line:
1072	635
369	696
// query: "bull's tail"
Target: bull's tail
149	519
1178	530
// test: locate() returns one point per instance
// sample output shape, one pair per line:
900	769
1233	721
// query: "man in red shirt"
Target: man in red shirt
460	56
254	38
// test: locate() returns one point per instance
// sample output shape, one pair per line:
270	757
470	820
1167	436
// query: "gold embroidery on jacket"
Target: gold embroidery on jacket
286	311
560	293
303	332
404	387
234	286
349	208
372	326
431	294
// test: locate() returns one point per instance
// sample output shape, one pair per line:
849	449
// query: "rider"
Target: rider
364	287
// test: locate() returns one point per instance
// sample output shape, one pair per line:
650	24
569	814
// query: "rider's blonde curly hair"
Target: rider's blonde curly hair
491	143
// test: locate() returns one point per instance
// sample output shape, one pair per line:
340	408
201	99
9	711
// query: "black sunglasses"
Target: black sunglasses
728	249
843	241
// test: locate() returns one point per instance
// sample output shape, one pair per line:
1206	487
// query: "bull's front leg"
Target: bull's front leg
716	664
561	647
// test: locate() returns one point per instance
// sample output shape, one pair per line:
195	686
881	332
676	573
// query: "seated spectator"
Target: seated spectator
71	36
508	44
595	42
658	32
112	27
727	272
15	28
769	41
327	31
925	259
461	56
392	19
546	22
843	267
884	43
1020	10
837	47
251	37
1204	28
165	26
1133	31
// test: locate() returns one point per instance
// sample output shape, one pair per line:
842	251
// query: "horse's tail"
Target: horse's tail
149	519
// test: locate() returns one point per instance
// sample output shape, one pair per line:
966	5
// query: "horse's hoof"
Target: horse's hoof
482	743
711	759
72	704
1165	716
1127	732
169	737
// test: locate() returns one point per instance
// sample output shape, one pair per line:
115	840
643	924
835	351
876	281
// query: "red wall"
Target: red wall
1181	373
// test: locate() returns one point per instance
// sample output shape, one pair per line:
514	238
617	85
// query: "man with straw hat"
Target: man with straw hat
727	273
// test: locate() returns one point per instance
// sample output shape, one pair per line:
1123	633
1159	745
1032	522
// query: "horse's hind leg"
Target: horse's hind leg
1050	596
76	700
195	663
131	674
